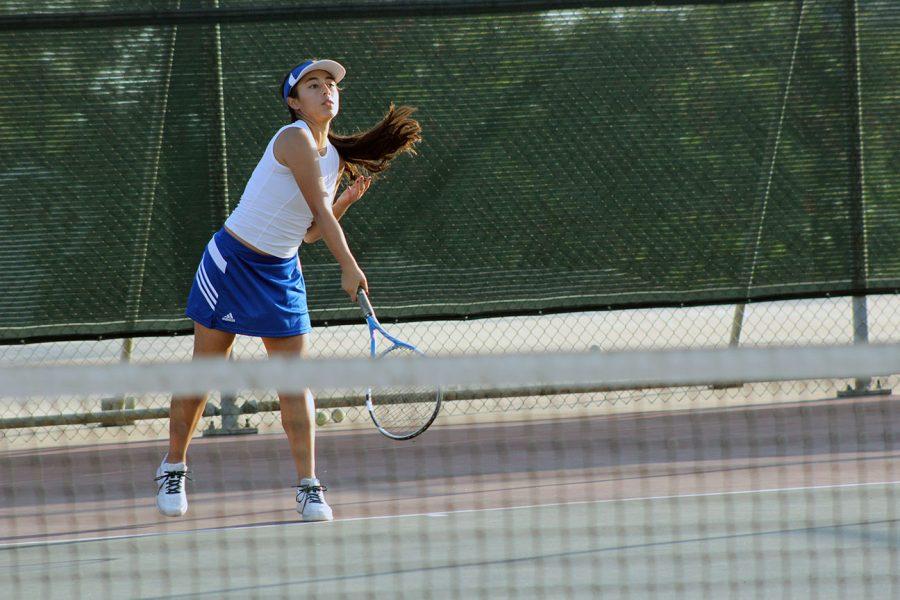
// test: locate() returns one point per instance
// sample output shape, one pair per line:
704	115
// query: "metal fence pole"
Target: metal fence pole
229	409
862	386
230	412
861	333
124	403
737	324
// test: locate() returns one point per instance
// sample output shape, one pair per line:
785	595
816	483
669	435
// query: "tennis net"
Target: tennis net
747	486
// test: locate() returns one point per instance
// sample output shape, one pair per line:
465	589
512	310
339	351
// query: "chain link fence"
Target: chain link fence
798	322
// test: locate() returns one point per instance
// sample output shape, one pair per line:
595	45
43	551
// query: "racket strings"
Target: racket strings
403	410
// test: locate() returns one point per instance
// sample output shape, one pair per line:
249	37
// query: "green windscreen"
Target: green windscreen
593	157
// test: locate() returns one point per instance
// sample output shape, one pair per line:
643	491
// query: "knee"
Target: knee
300	406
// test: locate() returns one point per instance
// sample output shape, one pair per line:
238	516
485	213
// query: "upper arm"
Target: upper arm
296	149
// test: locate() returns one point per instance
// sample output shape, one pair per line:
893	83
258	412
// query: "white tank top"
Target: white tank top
272	214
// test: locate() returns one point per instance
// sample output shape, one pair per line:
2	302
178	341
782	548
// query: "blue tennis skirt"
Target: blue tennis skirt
242	291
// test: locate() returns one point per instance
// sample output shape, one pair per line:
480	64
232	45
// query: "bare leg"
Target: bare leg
185	411
297	410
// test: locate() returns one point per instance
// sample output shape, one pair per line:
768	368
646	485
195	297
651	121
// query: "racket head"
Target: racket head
403	413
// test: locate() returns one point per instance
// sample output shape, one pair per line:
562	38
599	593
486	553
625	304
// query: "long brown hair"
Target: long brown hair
370	152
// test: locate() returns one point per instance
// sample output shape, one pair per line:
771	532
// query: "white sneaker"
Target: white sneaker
311	501
171	498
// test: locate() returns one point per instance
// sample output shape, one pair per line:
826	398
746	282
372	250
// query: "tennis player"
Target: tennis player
250	281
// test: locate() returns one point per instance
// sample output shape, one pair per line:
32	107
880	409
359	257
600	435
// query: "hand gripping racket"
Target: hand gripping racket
398	413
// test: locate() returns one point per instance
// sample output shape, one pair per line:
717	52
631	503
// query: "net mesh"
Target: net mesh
749	493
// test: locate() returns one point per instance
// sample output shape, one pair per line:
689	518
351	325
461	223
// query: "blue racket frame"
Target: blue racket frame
374	325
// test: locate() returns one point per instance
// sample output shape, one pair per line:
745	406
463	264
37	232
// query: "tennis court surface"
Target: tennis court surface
789	499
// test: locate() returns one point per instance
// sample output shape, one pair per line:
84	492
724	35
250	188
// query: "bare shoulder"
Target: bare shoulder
292	144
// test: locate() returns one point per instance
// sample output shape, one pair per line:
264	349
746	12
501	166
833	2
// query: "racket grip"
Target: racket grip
363	300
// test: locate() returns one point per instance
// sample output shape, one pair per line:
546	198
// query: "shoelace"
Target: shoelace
312	493
172	480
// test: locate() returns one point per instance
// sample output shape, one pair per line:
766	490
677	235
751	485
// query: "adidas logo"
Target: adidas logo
229	317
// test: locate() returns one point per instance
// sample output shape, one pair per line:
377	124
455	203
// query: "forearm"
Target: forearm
334	238
340	207
314	233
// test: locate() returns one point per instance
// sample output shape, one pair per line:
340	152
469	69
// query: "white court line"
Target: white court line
445	513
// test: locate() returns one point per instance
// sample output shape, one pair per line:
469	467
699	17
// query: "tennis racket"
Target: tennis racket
398	413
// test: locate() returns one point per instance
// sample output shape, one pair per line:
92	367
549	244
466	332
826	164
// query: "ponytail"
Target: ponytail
370	152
